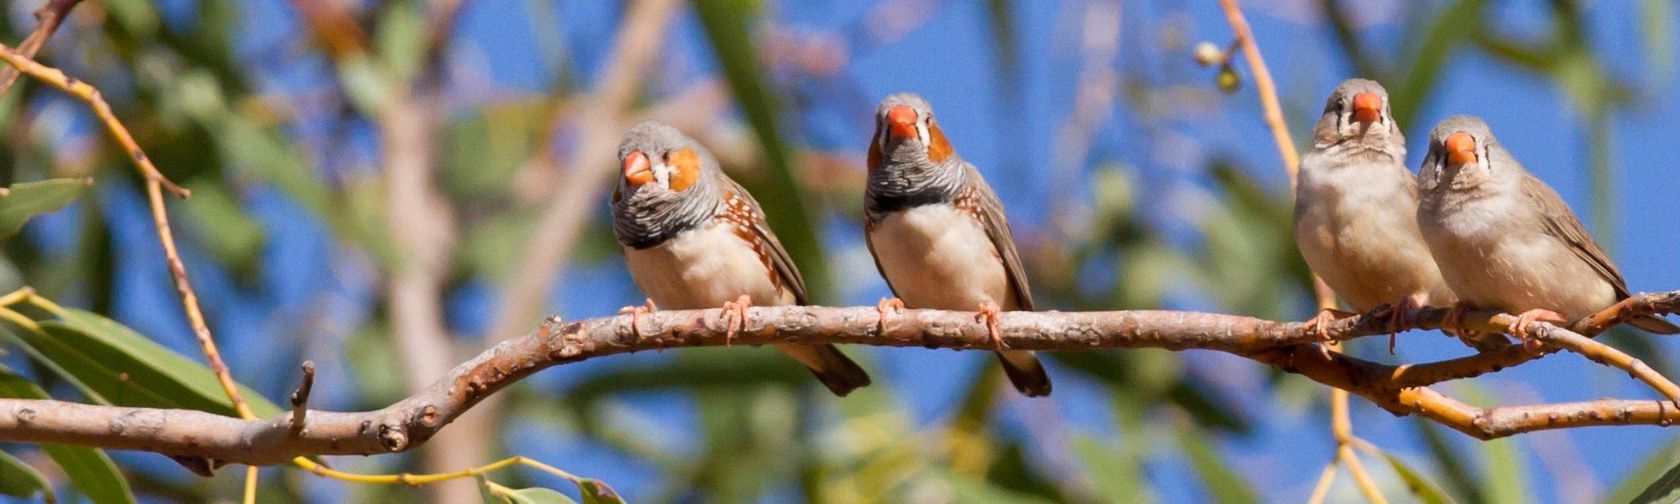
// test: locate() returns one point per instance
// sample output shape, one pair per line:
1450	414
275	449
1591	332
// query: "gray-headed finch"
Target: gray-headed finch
693	238
938	232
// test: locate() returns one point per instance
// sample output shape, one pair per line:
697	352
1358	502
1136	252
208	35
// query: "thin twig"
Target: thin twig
1322	488
47	20
155	184
87	93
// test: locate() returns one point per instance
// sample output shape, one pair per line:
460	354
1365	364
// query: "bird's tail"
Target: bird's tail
1655	324
836	371
1025	372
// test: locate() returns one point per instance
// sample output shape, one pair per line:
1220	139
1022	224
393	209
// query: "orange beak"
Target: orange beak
1367	107
901	122
1461	149
637	170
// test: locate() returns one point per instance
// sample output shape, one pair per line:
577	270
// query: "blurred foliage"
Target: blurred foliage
297	118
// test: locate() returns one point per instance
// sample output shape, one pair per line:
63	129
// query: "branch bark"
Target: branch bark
412	421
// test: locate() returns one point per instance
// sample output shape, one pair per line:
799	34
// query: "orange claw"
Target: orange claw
1527	318
887	307
989	315
636	310
737	312
1317	324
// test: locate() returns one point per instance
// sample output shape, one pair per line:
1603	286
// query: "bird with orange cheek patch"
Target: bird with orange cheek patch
1504	239
938	232
693	239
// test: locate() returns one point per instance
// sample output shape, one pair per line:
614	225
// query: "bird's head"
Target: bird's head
1461	155
665	181
906	132
1357	115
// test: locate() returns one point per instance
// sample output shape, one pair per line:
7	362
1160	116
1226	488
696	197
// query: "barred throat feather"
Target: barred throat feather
910	179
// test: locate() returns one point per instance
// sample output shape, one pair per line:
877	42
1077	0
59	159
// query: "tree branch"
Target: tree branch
47	20
412	421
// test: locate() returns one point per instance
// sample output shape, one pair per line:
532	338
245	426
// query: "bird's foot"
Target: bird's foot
736	311
888	307
989	315
1453	323
1520	327
634	311
1319	324
1398	314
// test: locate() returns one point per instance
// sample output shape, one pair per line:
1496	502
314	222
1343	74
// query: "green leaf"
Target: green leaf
401	39
1656	480
1658	29
368	86
1221	482
728	27
130	370
90	470
966	489
18	479
1424	489
597	492
1459	478
1117	472
535	496
29	199
492	493
136	16
223	227
1504	463
485	493
1505	466
483	153
1455	23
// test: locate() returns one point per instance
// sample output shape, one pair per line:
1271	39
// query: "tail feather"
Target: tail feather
1655	324
1025	372
836	371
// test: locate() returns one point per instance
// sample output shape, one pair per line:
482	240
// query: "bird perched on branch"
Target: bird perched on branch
938	232
1505	240
1356	209
693	239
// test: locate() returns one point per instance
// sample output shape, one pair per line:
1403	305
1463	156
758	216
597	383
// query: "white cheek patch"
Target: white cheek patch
662	175
922	132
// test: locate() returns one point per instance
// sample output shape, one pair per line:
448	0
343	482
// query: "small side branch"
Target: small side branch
47	20
300	397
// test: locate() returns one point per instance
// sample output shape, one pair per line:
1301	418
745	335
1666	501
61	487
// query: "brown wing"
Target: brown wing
749	216
1561	221
978	197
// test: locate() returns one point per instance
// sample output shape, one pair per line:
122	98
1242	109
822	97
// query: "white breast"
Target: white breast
938	256
1356	226
703	268
1494	256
